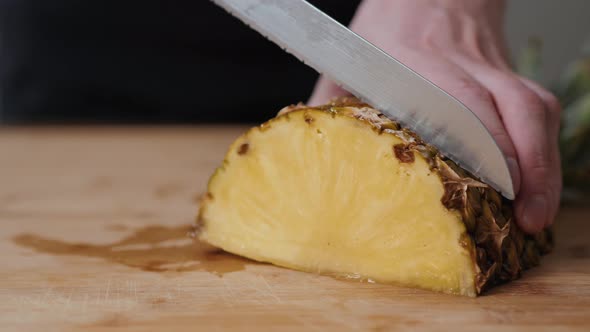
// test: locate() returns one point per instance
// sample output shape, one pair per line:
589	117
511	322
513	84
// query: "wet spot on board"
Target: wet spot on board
152	248
158	301
167	190
9	198
145	215
117	228
112	320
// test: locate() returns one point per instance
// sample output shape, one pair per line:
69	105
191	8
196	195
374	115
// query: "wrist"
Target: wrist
425	23
450	4
488	9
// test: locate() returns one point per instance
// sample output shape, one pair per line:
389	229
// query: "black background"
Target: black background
155	61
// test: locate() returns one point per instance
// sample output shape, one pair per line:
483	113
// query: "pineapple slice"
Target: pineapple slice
342	190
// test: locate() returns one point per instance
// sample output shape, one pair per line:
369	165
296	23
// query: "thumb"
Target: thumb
324	91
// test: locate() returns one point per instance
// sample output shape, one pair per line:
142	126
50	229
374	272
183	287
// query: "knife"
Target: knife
380	80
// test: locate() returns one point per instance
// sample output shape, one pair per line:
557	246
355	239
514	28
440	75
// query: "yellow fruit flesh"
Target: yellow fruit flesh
329	196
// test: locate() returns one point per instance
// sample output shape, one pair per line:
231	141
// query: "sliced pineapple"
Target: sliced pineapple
342	190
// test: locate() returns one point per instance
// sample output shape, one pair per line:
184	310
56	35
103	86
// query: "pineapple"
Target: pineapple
342	190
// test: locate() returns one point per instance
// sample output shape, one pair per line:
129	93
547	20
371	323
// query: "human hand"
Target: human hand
459	46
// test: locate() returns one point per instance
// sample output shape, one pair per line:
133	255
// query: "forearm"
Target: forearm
473	26
495	6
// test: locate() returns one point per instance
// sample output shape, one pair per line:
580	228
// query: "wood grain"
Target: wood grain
94	224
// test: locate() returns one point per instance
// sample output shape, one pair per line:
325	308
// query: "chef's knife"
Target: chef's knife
380	80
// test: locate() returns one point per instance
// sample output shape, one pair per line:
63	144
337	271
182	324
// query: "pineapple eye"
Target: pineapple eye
243	149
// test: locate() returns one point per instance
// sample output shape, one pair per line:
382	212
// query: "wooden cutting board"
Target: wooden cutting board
93	229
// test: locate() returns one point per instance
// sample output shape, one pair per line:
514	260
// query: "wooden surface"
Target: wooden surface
93	229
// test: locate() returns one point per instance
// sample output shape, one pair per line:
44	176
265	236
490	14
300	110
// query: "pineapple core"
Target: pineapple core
326	193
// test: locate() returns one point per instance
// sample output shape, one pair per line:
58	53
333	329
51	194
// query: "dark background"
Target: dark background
148	61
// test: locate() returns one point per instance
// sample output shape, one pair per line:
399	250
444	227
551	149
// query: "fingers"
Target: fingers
554	110
551	103
457	82
481	102
531	125
460	83
522	117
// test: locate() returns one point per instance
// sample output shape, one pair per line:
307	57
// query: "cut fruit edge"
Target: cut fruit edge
499	250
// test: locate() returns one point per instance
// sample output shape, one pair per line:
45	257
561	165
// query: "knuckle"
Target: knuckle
529	101
540	158
538	165
549	99
552	103
503	140
540	175
472	88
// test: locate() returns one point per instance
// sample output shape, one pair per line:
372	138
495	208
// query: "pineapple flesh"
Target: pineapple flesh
342	190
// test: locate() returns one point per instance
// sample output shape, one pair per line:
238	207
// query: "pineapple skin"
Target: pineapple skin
498	248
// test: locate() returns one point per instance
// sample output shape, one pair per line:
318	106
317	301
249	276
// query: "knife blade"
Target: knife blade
380	80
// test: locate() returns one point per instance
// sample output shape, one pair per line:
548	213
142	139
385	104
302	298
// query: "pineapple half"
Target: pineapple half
342	190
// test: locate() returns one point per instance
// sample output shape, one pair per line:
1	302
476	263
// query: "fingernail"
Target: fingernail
535	213
514	172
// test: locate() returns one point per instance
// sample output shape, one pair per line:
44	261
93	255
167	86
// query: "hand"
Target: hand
459	46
